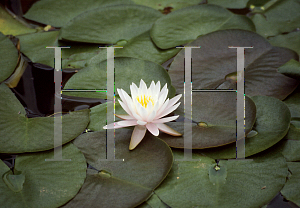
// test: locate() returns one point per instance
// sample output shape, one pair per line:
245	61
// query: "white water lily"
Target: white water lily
146	108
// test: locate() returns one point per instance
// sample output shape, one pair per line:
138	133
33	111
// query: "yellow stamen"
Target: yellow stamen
145	100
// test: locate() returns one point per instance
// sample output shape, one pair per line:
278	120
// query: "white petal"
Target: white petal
121	95
114	126
162	108
137	136
124	116
169	110
151	116
133	90
152	128
125	107
127	123
168	130
167	119
173	100
141	122
143	86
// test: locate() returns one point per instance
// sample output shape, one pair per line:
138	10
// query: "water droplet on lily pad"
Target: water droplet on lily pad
122	42
202	124
252	133
104	173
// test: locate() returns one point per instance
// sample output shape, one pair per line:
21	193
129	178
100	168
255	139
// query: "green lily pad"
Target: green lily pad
125	183
290	40
57	13
110	24
173	4
214	64
293	102
233	4
291	69
272	124
35	182
289	146
34	46
9	57
21	134
10	26
281	17
291	189
127	70
142	47
185	25
232	183
98	115
214	120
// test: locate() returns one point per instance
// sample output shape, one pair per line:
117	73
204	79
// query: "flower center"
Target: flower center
144	100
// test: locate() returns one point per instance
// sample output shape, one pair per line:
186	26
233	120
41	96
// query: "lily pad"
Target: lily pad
142	47
291	69
290	40
214	64
214	120
281	17
35	182
293	102
10	26
110	24
34	46
272	124
185	25
172	4
127	70
232	183
116	182
233	4
291	189
57	13
9	57
21	134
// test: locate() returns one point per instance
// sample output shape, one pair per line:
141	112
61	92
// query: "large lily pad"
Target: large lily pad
291	189
214	64
233	4
110	24
21	134
232	183
272	124
10	26
9	57
121	183
35	182
214	120
172	4
293	102
127	70
57	13
290	40
283	16
142	47
185	25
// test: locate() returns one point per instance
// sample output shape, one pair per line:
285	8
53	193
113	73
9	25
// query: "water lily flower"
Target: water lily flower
146	109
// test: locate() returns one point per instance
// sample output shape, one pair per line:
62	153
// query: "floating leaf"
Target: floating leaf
21	134
290	40
214	62
293	102
185	25
127	70
35	182
291	69
9	57
11	26
121	183
272	124
214	120
57	13
110	24
204	183
276	20
291	189
172	4
233	4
